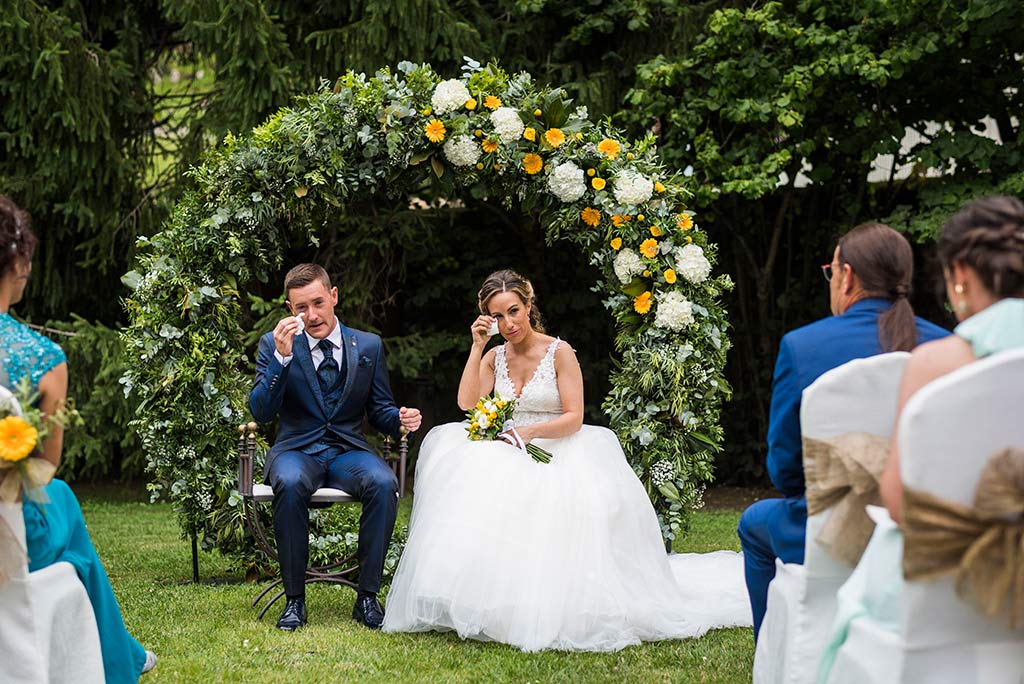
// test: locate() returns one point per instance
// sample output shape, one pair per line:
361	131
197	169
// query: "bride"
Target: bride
560	555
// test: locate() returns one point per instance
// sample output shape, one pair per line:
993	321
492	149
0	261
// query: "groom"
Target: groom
321	382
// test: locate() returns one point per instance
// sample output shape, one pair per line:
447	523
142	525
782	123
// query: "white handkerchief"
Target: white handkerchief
302	323
493	330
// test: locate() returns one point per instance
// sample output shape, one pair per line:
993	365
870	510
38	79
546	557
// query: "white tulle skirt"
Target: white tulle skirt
566	555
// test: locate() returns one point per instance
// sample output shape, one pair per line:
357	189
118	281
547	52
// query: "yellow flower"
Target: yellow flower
537	112
579	136
655	231
640	217
684	221
498	167
591	217
480	166
649	248
616	243
18	439
478	133
689	239
554	136
530	134
471	104
492	102
591	172
609	148
642	304
427	112
658	186
489	145
532	163
598	183
618	220
670	276
647	274
434	130
629	155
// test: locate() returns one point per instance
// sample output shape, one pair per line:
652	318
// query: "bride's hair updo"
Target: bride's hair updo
510	281
17	241
988	235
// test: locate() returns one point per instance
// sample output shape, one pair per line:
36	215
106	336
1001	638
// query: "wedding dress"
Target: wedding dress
564	555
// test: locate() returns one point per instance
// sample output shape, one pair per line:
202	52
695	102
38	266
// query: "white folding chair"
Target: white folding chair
859	396
48	630
948	431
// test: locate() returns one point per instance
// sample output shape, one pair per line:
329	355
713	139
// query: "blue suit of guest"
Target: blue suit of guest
774	528
320	442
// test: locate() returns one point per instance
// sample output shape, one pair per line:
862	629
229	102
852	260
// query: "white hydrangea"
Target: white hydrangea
462	150
507	124
674	311
631	187
692	264
627	264
448	96
567	182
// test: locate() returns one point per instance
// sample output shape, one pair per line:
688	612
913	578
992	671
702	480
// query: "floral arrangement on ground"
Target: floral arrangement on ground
490	135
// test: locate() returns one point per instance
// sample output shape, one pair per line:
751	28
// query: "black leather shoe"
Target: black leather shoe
367	610
293	616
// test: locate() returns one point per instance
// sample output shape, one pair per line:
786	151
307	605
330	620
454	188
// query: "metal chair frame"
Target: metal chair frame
344	571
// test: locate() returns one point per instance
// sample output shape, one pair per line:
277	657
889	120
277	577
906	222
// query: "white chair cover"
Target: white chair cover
859	396
48	631
948	431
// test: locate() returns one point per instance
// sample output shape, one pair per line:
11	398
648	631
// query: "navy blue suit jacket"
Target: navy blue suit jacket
292	393
805	354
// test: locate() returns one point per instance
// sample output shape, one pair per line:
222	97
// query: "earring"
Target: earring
961	305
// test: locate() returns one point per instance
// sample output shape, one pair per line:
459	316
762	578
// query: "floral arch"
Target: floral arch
498	134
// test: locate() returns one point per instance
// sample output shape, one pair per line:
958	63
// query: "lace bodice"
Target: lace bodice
25	353
539	400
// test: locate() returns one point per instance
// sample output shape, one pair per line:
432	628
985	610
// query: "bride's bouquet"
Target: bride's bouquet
491	419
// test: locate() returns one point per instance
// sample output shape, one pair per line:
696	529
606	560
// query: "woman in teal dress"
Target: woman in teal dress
56	531
981	250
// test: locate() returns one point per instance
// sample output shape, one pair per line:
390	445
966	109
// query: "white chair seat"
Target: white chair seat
264	492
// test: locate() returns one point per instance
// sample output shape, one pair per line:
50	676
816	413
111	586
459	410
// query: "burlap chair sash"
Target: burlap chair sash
842	473
982	546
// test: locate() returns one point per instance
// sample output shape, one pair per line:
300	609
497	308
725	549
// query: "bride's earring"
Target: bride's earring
961	305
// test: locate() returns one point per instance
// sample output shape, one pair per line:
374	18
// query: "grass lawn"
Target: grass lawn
208	632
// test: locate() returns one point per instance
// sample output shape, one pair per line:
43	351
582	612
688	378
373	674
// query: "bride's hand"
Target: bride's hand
481	330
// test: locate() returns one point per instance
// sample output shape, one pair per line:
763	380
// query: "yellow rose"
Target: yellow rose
655	231
537	112
670	276
640	217
616	243
470	104
530	134
598	183
478	133
591	172
658	186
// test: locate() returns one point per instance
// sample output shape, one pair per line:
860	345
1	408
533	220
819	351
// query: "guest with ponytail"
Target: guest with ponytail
869	286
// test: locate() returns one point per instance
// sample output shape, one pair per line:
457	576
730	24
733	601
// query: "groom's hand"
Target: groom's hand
284	333
410	418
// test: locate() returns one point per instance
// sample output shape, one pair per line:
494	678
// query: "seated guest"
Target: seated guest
981	250
56	531
869	282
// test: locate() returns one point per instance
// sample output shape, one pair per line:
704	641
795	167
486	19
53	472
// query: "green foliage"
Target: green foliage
368	138
817	91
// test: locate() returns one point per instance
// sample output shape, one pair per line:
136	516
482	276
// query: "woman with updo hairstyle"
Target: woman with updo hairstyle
981	251
563	555
55	531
